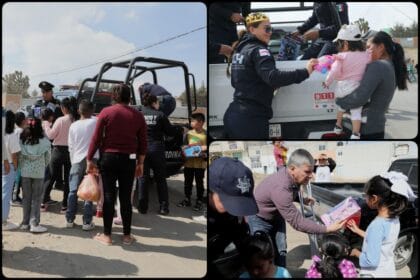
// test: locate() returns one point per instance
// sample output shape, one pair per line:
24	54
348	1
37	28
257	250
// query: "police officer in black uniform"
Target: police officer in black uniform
231	198
48	102
167	102
330	16
255	77
158	125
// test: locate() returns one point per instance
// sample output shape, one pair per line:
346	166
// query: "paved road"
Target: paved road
167	246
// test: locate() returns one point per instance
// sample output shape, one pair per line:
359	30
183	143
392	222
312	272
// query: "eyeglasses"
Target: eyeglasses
268	29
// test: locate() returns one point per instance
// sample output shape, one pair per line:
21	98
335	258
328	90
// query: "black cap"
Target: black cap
234	184
46	86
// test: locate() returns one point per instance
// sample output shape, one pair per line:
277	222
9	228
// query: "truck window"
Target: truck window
403	167
413	176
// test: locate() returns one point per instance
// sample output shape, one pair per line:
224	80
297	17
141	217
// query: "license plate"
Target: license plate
275	130
324	100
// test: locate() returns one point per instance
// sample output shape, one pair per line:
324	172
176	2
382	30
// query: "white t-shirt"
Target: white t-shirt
11	142
323	174
80	134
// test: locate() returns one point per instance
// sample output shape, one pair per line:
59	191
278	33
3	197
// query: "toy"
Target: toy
324	64
289	47
347	210
192	151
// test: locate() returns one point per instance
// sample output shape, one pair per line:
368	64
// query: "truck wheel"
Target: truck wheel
404	250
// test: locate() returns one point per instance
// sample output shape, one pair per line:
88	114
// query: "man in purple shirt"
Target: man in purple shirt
275	196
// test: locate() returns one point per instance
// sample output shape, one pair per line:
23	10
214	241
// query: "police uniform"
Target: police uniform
53	104
255	77
158	125
167	101
330	16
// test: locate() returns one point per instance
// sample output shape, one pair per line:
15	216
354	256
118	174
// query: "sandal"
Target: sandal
129	240
100	238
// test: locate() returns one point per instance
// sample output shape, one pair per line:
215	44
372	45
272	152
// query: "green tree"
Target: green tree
201	95
16	83
363	24
401	31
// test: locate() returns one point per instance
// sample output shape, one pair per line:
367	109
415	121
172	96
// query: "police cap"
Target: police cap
46	86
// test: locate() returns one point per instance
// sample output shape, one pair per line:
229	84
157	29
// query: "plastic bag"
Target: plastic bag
90	188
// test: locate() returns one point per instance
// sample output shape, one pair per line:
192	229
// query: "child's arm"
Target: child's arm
354	228
335	72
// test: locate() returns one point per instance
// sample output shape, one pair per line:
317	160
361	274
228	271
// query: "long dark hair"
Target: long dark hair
19	118
10	122
381	187
397	54
31	134
70	103
258	246
333	249
149	99
121	93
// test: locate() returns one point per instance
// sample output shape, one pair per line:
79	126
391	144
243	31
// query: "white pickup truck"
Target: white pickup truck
304	110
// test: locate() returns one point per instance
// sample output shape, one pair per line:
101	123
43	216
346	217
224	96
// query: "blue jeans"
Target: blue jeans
77	172
8	181
277	231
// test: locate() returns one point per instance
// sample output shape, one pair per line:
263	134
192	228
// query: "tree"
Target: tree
16	83
363	25
401	31
201	96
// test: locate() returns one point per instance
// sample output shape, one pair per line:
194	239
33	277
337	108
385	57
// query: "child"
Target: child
257	254
333	264
348	69
20	124
389	194
280	153
34	157
195	167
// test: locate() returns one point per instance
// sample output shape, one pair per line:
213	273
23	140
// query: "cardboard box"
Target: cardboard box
347	210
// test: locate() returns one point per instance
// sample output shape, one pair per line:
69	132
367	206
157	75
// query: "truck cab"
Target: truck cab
97	90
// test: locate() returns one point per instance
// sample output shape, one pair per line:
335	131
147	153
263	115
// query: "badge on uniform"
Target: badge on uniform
264	52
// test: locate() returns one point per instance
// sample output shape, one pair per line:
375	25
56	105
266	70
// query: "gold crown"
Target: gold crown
255	17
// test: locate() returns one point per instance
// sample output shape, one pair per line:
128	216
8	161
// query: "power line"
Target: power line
130	52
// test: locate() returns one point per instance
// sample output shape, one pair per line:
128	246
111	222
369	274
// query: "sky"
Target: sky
379	14
44	38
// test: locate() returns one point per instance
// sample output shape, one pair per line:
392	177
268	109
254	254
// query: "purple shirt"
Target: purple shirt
275	196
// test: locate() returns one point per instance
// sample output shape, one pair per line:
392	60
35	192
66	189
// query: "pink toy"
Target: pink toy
347	210
324	64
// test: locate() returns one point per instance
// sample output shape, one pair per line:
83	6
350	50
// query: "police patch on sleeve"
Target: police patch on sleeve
264	52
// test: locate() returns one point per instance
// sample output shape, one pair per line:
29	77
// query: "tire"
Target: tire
404	250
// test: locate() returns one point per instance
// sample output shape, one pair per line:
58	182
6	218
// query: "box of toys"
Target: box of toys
347	210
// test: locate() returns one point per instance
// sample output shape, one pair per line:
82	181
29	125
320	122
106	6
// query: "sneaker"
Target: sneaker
44	207
88	227
24	227
198	206
99	213
69	224
117	221
355	136
51	202
338	129
38	229
164	209
9	226
185	203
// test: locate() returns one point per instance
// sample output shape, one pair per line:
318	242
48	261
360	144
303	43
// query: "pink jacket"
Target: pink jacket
60	130
347	269
348	66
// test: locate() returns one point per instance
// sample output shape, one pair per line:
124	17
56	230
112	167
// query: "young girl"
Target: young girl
333	264
34	157
389	194
348	69
258	257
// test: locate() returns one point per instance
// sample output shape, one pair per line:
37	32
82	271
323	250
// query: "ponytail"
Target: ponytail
334	249
234	46
398	58
70	103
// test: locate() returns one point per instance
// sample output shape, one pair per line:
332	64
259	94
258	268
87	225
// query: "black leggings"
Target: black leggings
189	175
113	167
59	157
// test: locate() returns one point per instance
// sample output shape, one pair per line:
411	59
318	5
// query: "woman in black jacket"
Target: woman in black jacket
255	77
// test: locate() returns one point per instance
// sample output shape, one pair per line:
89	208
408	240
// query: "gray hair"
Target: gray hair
300	157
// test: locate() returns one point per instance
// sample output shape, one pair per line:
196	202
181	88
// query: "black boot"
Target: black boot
164	208
142	207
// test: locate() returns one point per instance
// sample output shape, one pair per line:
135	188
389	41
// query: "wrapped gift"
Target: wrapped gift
346	210
192	151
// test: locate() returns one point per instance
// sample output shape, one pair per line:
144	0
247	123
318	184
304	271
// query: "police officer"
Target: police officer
255	77
167	102
231	198
158	125
48	102
330	16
